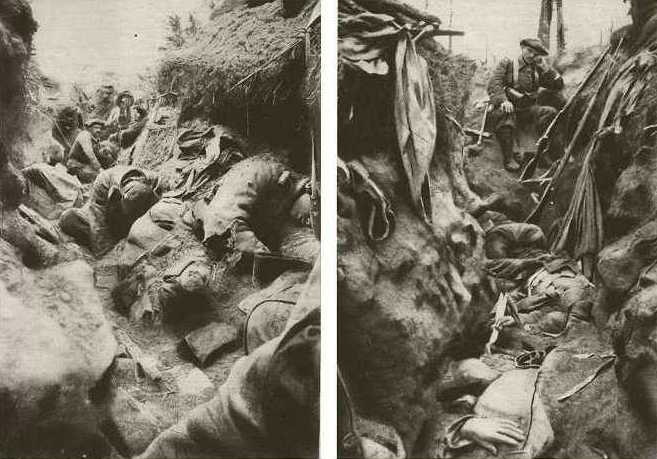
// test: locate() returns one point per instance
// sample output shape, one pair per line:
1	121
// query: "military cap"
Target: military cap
536	45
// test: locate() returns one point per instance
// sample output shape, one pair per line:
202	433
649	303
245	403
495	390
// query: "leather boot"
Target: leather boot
505	138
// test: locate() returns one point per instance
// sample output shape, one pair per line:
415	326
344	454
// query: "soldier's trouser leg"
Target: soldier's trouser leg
504	125
505	138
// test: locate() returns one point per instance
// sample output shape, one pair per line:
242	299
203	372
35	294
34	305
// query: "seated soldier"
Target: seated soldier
83	159
253	206
524	90
122	114
120	195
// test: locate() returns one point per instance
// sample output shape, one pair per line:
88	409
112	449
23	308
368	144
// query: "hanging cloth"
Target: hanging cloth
415	119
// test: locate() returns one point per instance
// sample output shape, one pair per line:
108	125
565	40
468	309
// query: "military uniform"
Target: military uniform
251	206
101	221
533	91
82	160
541	105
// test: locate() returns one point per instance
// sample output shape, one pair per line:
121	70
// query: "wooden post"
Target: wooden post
544	22
561	31
451	18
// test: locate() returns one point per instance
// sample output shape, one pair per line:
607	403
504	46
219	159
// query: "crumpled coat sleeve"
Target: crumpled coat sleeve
499	82
550	79
84	139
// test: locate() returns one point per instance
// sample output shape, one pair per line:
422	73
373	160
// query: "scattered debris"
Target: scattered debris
146	364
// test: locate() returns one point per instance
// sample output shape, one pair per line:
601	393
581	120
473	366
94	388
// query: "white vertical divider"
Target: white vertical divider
329	98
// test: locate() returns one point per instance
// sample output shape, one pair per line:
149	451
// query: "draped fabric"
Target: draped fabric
375	44
415	118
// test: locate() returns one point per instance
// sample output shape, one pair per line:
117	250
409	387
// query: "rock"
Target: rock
134	427
207	341
57	344
194	383
621	262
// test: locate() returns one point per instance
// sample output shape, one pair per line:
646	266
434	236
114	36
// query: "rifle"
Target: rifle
543	142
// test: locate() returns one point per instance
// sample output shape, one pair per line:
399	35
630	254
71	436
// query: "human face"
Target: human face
95	130
529	55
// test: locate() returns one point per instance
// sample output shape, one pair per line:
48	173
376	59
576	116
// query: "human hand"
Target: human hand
489	432
542	63
507	107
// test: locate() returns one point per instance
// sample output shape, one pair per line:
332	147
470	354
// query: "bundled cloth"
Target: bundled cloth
213	151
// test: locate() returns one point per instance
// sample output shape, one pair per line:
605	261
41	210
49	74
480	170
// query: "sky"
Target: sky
83	40
498	25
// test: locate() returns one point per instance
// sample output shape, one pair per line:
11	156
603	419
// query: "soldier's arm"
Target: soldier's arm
88	149
113	117
550	79
498	83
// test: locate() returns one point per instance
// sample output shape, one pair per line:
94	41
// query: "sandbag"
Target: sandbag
621	262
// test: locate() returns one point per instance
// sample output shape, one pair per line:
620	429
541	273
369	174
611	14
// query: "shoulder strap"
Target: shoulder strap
515	71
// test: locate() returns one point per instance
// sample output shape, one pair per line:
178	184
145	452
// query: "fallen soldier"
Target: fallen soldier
119	196
545	290
257	200
268	406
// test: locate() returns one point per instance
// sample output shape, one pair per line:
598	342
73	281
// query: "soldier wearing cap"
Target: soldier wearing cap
524	90
122	114
119	196
83	160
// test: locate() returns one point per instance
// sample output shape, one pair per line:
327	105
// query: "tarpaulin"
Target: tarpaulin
582	230
415	118
364	39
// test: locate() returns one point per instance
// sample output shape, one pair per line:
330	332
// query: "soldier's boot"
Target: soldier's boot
505	138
